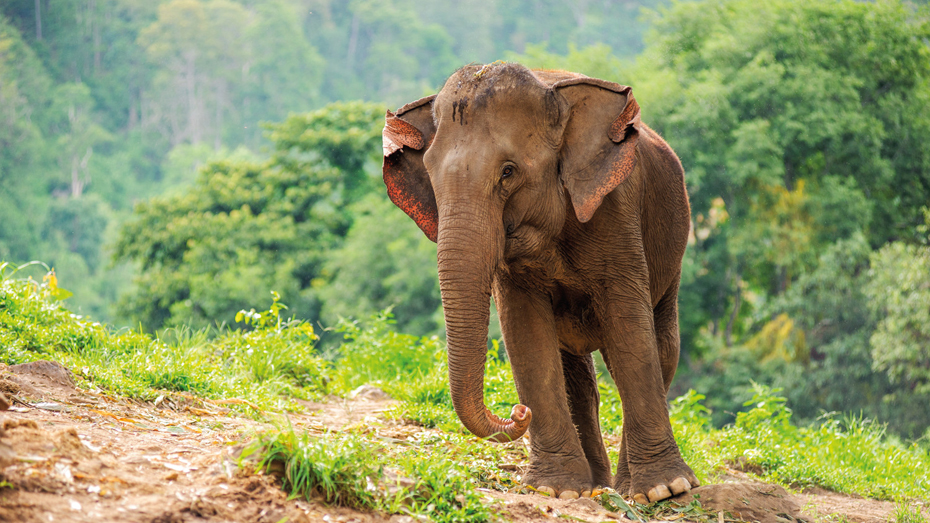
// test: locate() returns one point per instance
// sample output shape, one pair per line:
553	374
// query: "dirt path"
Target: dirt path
70	455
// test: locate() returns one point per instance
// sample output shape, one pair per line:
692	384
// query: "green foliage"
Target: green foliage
246	227
842	454
268	364
385	261
898	292
379	355
905	512
791	114
207	86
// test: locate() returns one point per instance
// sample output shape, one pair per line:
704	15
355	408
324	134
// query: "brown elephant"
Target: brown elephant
546	190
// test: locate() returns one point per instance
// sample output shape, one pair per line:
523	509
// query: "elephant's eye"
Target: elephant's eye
507	172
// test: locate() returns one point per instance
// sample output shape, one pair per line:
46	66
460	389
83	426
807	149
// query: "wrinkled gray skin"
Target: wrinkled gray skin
545	190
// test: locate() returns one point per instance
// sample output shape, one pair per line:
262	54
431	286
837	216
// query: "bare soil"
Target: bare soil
73	455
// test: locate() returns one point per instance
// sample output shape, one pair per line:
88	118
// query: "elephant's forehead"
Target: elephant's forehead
499	113
505	93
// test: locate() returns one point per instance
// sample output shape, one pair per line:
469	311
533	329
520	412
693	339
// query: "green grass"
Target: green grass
338	468
270	362
844	454
434	475
267	363
905	512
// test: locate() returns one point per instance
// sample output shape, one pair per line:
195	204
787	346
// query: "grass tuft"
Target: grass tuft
340	469
424	477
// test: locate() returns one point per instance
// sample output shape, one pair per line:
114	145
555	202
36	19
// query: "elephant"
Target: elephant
545	190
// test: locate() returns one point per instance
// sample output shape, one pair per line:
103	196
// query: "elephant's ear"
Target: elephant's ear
599	143
406	137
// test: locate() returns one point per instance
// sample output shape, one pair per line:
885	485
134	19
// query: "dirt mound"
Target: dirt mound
44	370
40	380
760	502
525	509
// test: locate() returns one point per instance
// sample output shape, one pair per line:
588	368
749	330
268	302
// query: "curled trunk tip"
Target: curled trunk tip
512	428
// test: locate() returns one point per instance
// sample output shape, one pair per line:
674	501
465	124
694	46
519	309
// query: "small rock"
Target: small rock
68	442
9	387
368	393
11	424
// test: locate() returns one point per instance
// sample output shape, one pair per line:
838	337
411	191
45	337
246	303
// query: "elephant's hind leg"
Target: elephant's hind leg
667	336
622	480
583	401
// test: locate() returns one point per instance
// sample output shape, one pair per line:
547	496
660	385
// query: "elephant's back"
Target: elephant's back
551	76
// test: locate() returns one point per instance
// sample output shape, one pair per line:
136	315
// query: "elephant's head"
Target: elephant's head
487	168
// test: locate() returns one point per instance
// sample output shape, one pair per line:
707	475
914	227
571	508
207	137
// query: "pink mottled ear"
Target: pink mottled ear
599	143
406	137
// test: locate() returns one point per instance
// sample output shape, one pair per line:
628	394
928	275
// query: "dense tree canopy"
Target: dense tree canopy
246	227
800	126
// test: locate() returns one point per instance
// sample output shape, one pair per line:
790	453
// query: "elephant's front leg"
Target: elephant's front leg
651	465
557	462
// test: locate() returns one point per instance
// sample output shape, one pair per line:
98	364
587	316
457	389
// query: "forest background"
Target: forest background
135	159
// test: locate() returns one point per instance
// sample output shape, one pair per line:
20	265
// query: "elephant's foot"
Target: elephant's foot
660	479
561	476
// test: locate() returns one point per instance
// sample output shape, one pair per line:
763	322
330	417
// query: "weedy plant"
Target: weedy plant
844	454
907	512
374	353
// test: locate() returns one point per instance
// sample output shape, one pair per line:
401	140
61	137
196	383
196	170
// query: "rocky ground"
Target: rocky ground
73	455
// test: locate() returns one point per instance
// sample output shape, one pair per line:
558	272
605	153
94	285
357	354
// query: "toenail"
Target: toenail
547	491
586	494
568	494
641	499
659	492
680	485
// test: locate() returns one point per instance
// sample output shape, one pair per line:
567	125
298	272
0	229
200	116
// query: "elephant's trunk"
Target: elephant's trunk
467	257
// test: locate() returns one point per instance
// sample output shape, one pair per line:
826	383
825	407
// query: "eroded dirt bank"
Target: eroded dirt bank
72	455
